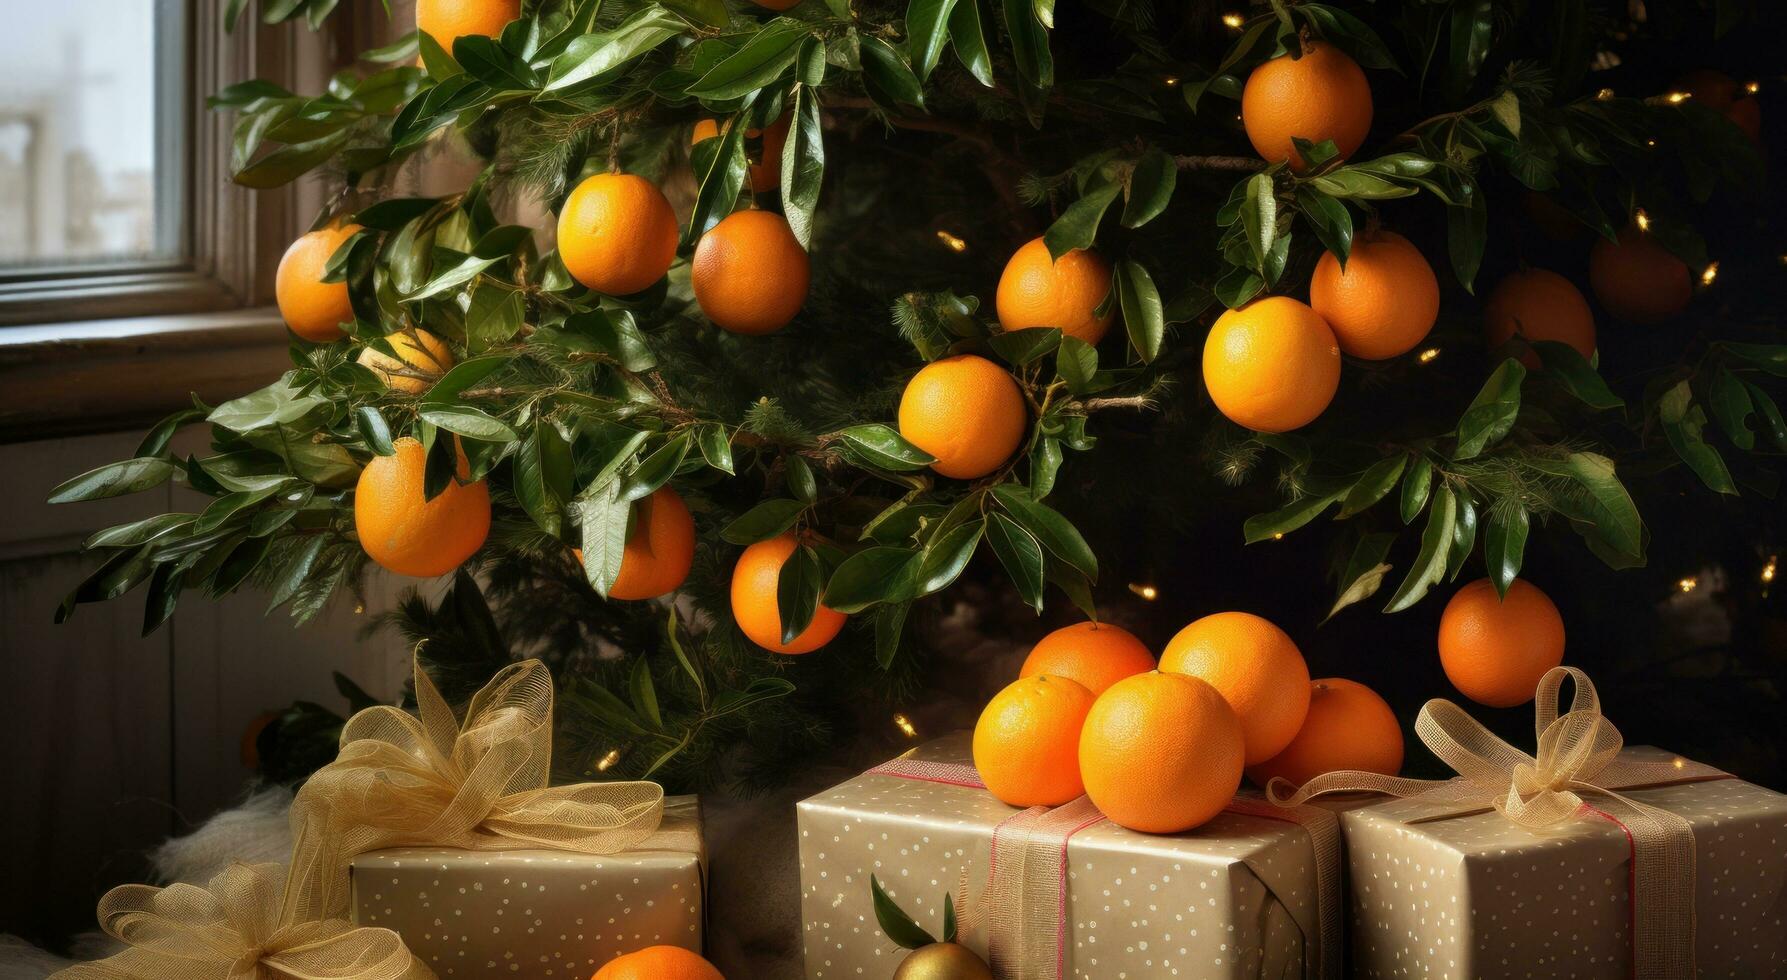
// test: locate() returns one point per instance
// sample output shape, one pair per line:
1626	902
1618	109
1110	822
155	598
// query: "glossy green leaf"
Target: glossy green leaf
114	479
873	575
1429	567
1284	520
473	423
770	51
602	519
1569	368
1144	318
1373	485
1078	225
1053	530
888	73
803	166
1021	347
1491	414
1020	553
881	446
927	32
1504	544
592	57
1150	188
797	592
1364	572
644	693
968	39
895	923
946	557
763	521
1417	480
1684	424
1730	402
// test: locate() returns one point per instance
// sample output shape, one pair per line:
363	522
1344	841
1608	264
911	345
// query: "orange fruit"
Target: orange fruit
1638	280
750	273
314	309
1348	727
417	353
660	548
1495	649
1322	95
1721	93
659	963
1538	304
1095	654
966	411
617	233
765	171
1257	669
1027	741
754	581
1272	365
449	20
410	535
1161	753
1383	303
1036	291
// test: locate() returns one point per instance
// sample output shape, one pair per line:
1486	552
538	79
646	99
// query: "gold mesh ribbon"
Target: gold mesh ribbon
432	780
1578	756
233	930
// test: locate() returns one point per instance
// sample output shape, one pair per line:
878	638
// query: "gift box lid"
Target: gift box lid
676	843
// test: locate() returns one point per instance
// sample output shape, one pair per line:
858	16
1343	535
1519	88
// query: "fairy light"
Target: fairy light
1709	274
1278	536
951	242
1677	98
1428	356
1233	21
904	724
1688	584
1171	80
1147	592
1651	143
1641	219
1604	95
1768	570
607	761
359	608
1679	762
1752	87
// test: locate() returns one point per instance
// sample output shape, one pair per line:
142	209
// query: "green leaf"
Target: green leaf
1331	221
803	166
1731	407
1472	21
1373	485
115	479
1569	368
593	57
800	480
373	429
926	33
711	13
488	62
138	532
1264	527
155	441
1430	563
1769	414
1417	479
494	317
1054	531
1604	507
1150	188
797	592
1365	571
721	180
873	575
1143	316
1467	234
470	422
644	693
1492	413
969	41
1021	554
1259	217
770	51
715	446
1684	423
888	73
1029	43
674	637
1769	357
655	470
297	566
275	405
1021	347
461	377
764	521
1078	225
1506	110
456	275
881	446
1504	545
890	622
1464	533
946	557
602	517
949	918
894	921
1351	35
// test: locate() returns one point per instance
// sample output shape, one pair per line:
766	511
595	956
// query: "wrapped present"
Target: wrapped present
538	913
445	830
1057	893
1585	859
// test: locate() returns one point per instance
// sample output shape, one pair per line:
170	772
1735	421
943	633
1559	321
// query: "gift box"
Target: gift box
538	913
1237	897
1481	896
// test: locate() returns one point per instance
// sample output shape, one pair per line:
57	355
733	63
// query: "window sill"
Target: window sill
98	375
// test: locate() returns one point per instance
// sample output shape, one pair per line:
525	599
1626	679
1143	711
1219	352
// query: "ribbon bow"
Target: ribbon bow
431	780
232	930
1578	756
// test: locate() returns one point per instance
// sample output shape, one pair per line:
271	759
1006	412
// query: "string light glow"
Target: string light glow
1171	80
1677	98
1711	273
1752	87
1688	584
1768	570
1147	592
1428	356
1642	219
607	762
904	724
1233	21
1604	95
951	242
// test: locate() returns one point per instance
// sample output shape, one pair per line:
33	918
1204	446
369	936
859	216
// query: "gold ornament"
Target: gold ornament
942	961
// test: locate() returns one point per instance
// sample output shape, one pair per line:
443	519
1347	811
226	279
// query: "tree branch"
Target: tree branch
1235	164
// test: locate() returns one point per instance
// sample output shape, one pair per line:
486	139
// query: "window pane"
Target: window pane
86	116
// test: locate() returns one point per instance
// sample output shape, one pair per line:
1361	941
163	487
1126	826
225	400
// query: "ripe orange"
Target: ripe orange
659	550
1161	753
1095	654
617	233
966	411
417	353
1494	650
1027	741
765	172
407	534
1272	365
750	273
1538	304
1035	291
1321	96
1348	727
658	963
314	309
1383	303
1256	667
448	20
1638	280
754	581
1721	93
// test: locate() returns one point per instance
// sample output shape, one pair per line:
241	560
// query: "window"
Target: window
91	115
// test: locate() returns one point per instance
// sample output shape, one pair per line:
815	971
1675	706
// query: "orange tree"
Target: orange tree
772	219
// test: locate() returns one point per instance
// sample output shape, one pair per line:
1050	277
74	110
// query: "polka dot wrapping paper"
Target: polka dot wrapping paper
1229	899
1478	896
538	913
